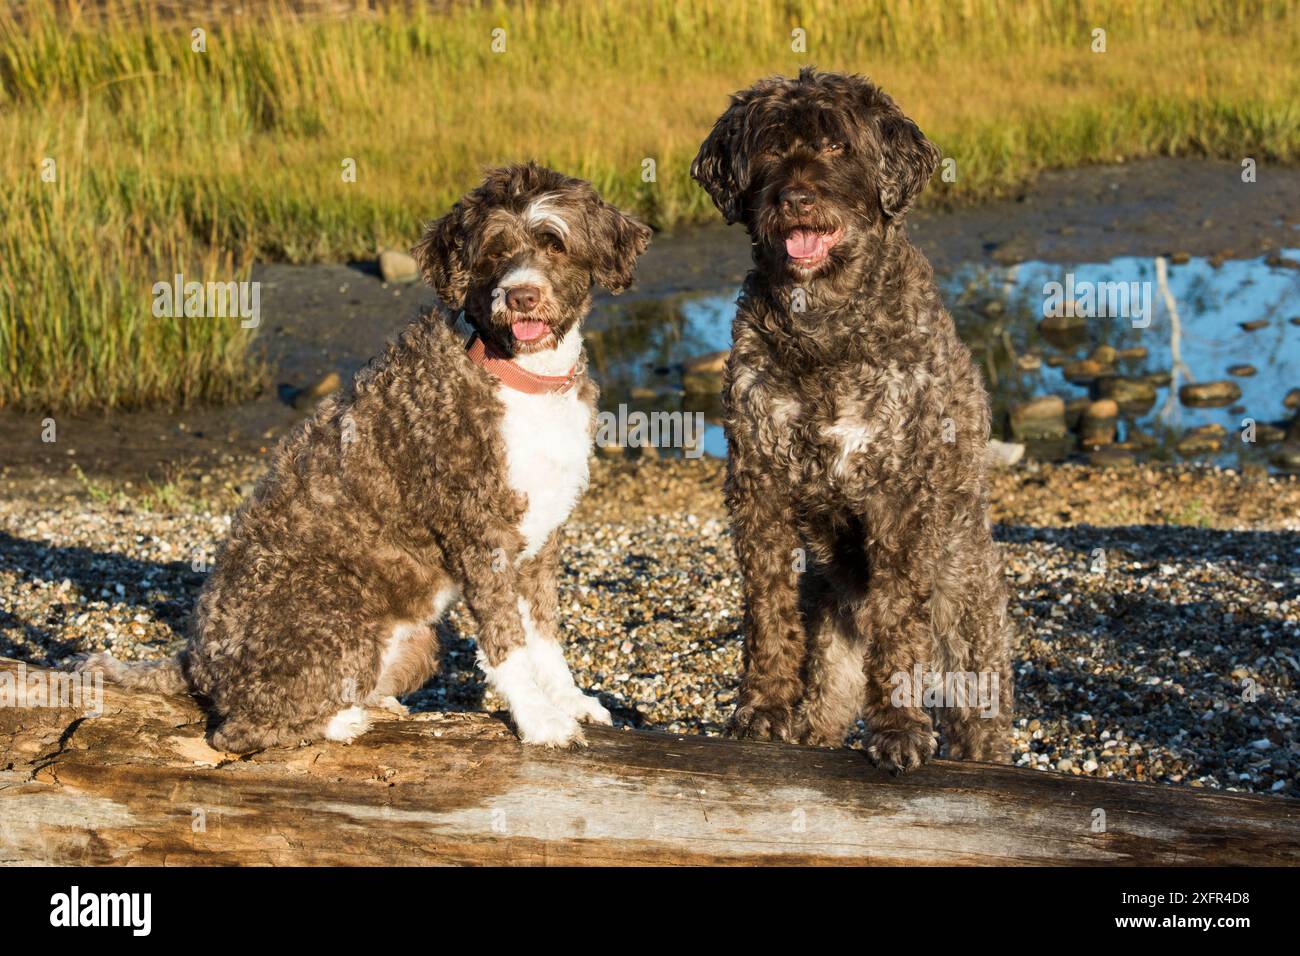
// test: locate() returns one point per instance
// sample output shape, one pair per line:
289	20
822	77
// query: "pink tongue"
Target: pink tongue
804	244
527	331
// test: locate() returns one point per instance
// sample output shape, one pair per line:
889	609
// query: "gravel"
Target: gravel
1157	607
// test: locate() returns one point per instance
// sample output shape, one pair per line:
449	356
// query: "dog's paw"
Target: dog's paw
761	723
549	727
585	709
347	725
390	704
901	749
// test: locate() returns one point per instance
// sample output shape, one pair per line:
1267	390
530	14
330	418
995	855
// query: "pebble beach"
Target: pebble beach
1157	607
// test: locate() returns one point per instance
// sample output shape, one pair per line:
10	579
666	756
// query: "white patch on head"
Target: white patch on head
542	212
552	674
547	440
520	275
348	724
538	720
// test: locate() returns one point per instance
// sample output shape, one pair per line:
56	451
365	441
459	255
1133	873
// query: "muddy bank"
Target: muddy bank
333	318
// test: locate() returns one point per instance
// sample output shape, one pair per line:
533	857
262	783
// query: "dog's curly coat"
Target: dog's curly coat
429	479
856	425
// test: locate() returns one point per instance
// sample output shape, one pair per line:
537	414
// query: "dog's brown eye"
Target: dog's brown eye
833	147
552	243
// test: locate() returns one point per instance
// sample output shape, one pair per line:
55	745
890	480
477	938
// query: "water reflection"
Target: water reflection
1183	326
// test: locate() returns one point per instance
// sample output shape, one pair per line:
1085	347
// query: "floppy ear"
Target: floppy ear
721	166
440	254
907	161
616	241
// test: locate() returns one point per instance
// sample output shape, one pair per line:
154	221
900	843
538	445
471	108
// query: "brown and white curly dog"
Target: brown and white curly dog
444	472
856	427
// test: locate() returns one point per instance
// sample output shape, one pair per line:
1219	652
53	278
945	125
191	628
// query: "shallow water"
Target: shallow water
639	348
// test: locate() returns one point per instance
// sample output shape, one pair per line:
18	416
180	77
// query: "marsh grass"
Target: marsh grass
170	158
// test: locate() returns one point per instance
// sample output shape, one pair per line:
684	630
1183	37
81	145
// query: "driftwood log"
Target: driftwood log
137	784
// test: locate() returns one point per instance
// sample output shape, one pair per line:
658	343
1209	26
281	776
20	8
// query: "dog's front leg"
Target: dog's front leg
491	586
767	544
539	607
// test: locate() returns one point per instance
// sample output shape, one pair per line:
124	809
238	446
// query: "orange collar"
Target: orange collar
513	375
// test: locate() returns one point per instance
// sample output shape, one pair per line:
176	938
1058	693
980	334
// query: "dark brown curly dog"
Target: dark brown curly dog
856	427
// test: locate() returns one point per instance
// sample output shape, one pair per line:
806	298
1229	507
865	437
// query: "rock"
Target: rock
1074	410
1064	331
712	363
395	266
1056	361
1287	456
1292	399
1179	258
1209	394
1110	457
1266	434
307	398
1203	440
1134	396
1084	371
1105	354
1254	325
1158	379
1003	454
1242	371
701	383
1039	418
1137	438
1029	362
1294	320
1135	354
1097	426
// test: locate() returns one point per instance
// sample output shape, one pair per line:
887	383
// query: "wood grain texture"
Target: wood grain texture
129	787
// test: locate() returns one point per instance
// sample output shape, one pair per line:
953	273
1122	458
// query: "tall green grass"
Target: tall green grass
170	159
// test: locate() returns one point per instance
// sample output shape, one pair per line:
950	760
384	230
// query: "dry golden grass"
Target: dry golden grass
168	157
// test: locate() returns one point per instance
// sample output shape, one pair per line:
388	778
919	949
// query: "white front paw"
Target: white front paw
549	727
586	709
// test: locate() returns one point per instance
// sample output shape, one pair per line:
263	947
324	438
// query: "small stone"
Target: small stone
1002	454
395	266
308	397
1209	394
1039	418
1241	371
1097	425
1254	325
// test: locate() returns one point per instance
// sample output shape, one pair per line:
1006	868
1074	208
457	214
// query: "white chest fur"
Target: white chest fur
547	440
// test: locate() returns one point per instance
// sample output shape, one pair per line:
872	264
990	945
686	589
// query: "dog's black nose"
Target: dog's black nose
796	200
523	298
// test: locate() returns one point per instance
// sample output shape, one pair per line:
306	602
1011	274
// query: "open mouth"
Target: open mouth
531	335
809	248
